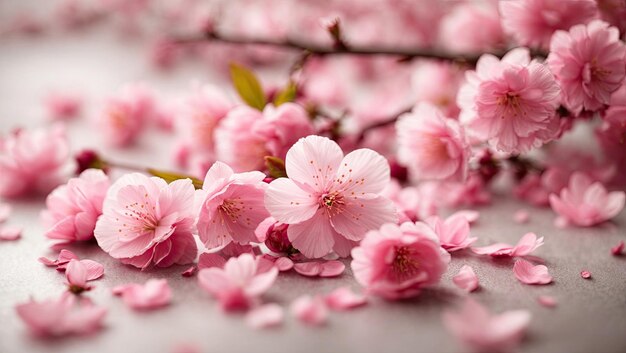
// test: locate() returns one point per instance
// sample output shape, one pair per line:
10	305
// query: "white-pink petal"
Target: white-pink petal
527	273
466	279
309	269
10	233
5	211
343	298
332	268
268	315
310	310
155	293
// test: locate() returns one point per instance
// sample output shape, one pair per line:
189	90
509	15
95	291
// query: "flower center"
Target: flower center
232	208
510	103
331	199
404	263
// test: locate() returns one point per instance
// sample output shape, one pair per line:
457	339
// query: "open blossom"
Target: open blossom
246	135
146	221
511	103
398	261
73	208
532	22
330	201
484	332
458	34
239	284
431	145
61	316
232	206
588	62
125	116
453	232
586	203
32	161
437	83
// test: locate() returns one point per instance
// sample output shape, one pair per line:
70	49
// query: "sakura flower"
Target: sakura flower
245	136
396	262
63	106
453	232
525	272
588	62
155	293
437	83
585	203
527	244
310	310
482	331
32	161
532	22
343	298
511	103
239	284
146	221
457	30
268	315
431	145
330	201
78	273
73	208
232	206
466	279
62	316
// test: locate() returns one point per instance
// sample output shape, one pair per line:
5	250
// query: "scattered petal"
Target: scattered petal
332	268
585	274
521	216
618	249
525	272
155	293
189	272
5	212
63	258
547	301
310	310
267	315
94	269
208	260
527	244
10	233
283	264
309	269
343	298
466	279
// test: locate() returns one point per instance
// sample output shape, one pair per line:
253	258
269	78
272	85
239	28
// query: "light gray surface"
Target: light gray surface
591	316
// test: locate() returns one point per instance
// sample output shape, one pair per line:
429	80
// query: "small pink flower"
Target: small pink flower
511	103
527	244
431	145
310	310
336	196
239	284
453	232
146	222
245	136
396	262
585	203
232	206
457	29
532	22
588	62
155	293
437	83
79	272
62	316
479	329
466	279
32	161
343	298
525	272
73	208
63	106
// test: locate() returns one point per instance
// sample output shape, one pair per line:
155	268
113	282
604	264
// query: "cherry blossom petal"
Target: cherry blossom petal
313	161
521	216
332	268
189	272
362	214
76	274
314	237
471	215
527	244
525	272
63	258
155	293
585	274
310	310
94	269
288	203
343	298
618	249
10	233
283	264
547	301
363	171
466	279
208	260
268	315
309	269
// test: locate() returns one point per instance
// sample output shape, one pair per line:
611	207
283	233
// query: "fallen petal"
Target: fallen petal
310	310
332	268
94	269
525	272
283	264
618	249
466	279
547	301
10	233
309	269
343	298
267	315
585	274
521	216
155	293
208	260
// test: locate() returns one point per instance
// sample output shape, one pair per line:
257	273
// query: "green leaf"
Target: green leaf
248	86
288	94
170	177
275	167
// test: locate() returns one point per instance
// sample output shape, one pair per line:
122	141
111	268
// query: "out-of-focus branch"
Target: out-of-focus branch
389	121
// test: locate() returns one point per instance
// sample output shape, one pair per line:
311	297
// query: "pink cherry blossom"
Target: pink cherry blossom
32	161
511	103
268	315
239	284
466	279
396	262
532	22
66	315
73	208
246	135
431	145
453	232
147	222
527	273
482	331
232	206
437	83
310	310
457	29
412	203
585	203
63	106
330	201
343	298
588	62
274	235
79	272
154	294
527	244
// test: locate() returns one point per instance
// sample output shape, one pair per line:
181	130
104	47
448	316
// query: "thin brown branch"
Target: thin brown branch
391	120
